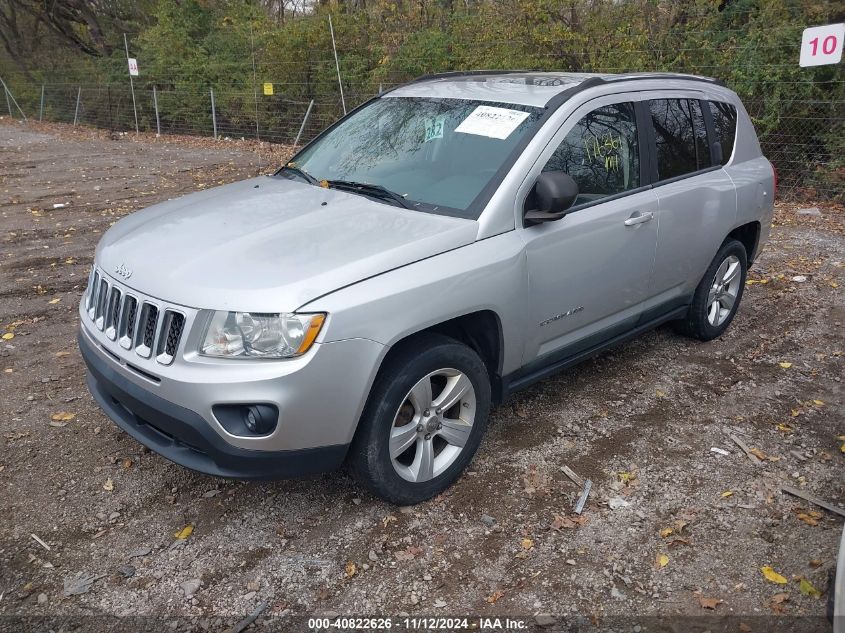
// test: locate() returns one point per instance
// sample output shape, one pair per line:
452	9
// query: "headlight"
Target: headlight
260	335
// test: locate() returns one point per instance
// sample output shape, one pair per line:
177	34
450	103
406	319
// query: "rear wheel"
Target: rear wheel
717	296
424	420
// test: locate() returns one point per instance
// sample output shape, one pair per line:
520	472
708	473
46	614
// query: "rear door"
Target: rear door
696	197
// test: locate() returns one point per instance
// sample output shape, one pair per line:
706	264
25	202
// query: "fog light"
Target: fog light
260	419
245	420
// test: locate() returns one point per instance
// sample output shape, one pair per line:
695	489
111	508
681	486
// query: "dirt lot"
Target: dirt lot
686	532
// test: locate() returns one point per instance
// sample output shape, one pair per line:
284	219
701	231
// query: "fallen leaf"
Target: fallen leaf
784	427
61	354
815	563
818	403
388	520
662	561
679	540
62	416
659	394
561	522
526	543
351	569
666	532
727	493
779	598
494	597
785	365
54	301
709	603
807	589
8	336
185	532
126	462
806	518
772	576
758	454
626	477
109	485
744	628
407	554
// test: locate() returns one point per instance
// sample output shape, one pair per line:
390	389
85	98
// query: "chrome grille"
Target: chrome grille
134	323
127	322
146	330
150	325
100	308
171	332
174	333
113	313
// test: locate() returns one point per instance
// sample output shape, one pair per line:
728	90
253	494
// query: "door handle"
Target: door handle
639	218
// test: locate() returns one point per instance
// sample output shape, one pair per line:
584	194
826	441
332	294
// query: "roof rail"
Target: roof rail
468	73
605	79
660	75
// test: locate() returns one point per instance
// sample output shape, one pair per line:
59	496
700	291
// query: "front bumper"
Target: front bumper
187	438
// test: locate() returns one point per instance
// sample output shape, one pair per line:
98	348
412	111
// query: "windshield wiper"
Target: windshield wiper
367	189
302	174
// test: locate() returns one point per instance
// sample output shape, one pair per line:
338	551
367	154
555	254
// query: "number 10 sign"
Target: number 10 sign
822	45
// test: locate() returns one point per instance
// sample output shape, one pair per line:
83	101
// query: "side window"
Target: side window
724	120
601	153
681	137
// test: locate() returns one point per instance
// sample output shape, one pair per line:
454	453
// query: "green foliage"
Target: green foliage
185	48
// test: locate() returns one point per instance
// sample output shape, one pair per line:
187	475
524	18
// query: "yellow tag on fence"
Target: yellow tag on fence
268	89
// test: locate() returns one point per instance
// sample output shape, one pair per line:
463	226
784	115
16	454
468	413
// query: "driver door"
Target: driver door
589	272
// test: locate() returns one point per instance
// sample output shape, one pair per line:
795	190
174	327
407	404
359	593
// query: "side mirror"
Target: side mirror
555	192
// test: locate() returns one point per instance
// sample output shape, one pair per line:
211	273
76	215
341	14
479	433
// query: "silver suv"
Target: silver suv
445	244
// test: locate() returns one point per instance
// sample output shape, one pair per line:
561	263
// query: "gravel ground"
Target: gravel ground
671	527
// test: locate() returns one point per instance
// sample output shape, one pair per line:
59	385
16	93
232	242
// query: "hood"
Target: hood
269	244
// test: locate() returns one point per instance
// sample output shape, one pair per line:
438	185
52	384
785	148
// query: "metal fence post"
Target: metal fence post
76	113
304	120
41	109
9	95
337	66
131	84
213	113
8	103
155	104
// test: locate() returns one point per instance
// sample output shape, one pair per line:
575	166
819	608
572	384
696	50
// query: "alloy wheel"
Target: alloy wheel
724	290
433	425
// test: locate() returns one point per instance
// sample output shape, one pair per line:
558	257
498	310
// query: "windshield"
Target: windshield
438	154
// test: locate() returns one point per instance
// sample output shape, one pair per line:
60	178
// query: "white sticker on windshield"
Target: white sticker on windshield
492	122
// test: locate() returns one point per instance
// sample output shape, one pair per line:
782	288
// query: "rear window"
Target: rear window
724	122
681	137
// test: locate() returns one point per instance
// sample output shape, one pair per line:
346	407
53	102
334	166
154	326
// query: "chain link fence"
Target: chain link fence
805	140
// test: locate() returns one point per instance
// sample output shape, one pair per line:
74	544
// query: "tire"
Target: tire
396	416
704	321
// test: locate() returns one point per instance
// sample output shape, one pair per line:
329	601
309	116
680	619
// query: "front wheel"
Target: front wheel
424	420
717	296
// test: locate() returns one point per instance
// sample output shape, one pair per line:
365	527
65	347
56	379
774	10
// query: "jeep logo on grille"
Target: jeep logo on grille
123	271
